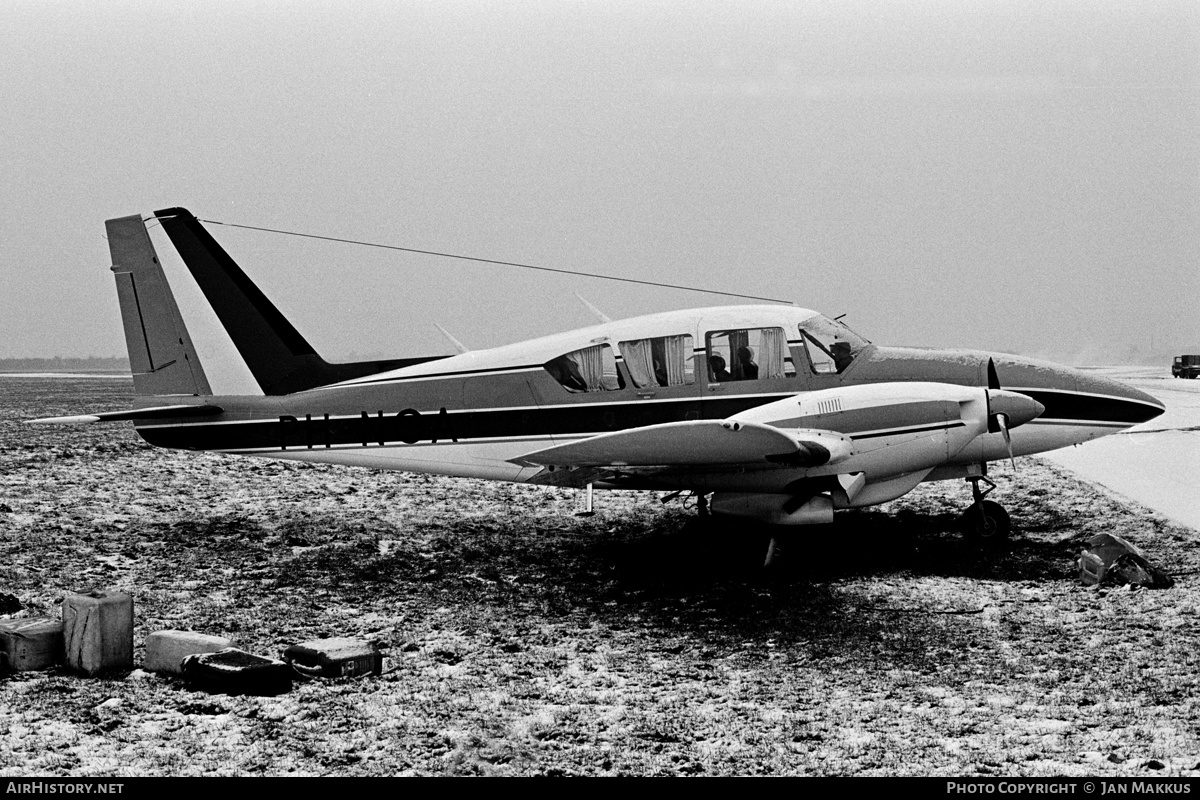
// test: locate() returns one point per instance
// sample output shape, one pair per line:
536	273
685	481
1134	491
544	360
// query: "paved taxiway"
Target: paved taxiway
1155	464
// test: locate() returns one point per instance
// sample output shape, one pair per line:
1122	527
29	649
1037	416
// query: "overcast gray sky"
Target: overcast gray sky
1000	175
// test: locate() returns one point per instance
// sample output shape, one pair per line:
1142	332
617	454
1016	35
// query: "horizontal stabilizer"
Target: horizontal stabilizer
136	415
698	443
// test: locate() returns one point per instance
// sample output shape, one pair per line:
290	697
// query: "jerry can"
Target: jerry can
98	632
1091	568
31	643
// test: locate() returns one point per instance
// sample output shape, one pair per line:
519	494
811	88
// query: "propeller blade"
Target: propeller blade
1002	422
1016	408
1023	407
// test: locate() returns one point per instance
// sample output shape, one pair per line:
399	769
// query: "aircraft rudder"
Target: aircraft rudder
161	355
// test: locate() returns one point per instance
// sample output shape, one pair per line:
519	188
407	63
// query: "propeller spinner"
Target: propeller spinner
1007	410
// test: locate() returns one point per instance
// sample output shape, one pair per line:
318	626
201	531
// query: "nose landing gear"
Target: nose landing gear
985	522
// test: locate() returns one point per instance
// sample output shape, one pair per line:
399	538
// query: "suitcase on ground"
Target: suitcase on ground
165	650
234	671
334	658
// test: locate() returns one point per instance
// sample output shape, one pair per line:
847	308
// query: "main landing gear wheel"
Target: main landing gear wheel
986	522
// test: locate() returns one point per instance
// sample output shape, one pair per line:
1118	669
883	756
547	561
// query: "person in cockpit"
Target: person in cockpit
842	356
564	371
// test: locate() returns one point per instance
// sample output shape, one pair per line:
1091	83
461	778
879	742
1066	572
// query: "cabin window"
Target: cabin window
830	345
747	354
662	361
592	369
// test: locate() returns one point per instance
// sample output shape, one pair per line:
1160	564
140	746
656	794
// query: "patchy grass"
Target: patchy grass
521	639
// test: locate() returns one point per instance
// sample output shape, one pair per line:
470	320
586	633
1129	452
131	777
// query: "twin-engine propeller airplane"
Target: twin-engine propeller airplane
779	413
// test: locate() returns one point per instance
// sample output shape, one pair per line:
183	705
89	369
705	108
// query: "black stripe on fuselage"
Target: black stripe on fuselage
1084	408
408	426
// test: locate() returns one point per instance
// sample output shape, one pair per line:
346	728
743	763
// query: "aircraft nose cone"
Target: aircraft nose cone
1111	400
1019	408
1120	402
1075	395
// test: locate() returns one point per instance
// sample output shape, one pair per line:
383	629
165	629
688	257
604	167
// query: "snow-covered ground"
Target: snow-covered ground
1156	464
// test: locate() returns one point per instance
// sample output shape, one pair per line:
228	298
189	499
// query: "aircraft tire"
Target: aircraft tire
994	531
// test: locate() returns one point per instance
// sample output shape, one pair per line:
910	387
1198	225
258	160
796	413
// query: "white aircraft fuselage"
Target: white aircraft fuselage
779	411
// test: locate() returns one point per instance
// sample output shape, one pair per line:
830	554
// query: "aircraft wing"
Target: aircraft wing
696	443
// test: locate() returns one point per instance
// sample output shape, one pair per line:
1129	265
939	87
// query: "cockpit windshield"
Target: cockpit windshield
831	345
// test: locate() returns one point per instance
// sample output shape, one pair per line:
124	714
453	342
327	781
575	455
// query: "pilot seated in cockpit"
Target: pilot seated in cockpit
841	355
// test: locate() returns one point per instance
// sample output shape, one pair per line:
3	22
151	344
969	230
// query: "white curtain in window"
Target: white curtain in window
590	361
639	361
612	380
677	348
772	351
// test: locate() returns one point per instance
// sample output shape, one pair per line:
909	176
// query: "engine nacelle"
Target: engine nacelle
893	428
771	508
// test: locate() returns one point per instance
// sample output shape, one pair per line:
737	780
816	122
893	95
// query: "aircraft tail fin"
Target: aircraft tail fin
278	356
161	355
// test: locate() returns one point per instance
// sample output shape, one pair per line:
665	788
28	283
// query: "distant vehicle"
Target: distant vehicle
1186	367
